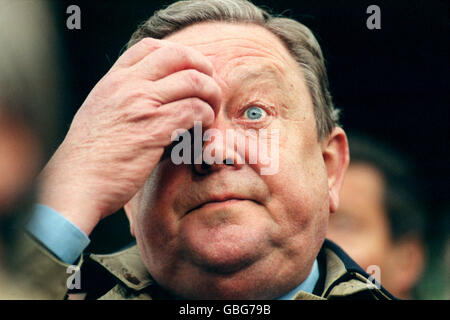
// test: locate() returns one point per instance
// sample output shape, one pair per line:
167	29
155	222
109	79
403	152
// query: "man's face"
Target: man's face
19	162
262	242
361	225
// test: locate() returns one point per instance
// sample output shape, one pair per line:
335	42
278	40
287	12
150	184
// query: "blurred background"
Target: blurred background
391	84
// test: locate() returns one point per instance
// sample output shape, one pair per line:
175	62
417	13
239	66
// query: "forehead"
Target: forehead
241	50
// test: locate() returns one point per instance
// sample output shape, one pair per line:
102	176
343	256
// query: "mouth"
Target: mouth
218	202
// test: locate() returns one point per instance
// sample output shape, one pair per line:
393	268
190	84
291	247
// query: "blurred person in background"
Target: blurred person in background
380	220
19	158
29	91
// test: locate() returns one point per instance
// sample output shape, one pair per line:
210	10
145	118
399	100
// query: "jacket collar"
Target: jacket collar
343	276
127	266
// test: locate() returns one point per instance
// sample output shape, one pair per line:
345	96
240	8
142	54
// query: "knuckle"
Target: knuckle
194	78
178	50
195	104
150	44
114	79
147	41
216	91
137	96
185	119
200	110
139	120
184	55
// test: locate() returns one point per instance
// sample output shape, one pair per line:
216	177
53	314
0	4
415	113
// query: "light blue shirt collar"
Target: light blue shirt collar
307	285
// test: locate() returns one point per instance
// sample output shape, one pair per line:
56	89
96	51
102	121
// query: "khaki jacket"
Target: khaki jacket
122	275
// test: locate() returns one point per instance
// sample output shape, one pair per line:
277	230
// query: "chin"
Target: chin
225	250
224	239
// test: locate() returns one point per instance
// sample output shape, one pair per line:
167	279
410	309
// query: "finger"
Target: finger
170	59
186	84
138	51
178	116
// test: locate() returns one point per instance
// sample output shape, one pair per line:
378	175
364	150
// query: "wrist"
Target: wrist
71	201
78	213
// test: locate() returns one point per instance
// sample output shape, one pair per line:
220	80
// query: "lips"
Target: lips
219	200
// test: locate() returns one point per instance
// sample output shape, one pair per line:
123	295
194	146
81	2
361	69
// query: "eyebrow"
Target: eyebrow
271	75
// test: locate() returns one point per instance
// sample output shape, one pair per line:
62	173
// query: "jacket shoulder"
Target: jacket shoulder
118	276
122	275
345	279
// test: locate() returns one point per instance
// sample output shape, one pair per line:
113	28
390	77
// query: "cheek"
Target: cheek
300	198
303	177
155	218
155	222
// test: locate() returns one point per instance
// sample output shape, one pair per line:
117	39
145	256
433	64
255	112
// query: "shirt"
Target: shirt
67	242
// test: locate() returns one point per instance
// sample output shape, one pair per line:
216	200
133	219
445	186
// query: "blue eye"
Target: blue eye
255	113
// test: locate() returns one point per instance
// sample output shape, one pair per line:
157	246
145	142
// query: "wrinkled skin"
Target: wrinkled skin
219	231
263	244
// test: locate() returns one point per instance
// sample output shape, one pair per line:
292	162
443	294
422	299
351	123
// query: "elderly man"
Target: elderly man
207	229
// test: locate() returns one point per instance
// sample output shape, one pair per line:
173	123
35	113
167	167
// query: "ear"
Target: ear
128	207
408	260
336	157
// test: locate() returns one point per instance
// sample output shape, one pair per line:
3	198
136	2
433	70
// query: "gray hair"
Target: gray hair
298	39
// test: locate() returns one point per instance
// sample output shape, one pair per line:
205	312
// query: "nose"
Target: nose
219	151
205	168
